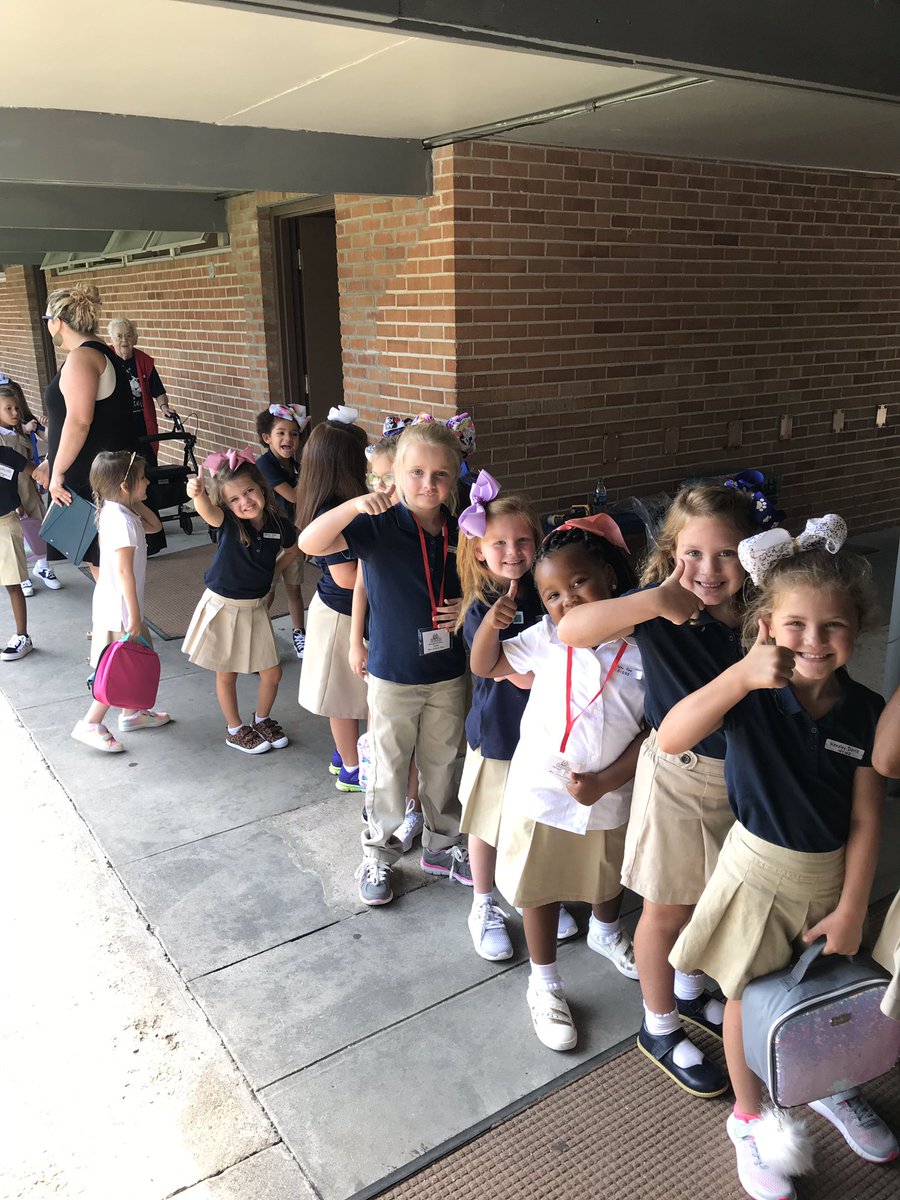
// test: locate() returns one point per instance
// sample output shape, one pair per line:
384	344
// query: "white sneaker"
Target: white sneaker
619	951
47	577
18	646
487	926
758	1179
27	588
99	738
411	826
567	927
551	1017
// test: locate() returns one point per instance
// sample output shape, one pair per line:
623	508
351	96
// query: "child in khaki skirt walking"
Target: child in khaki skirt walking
501	536
569	785
13	564
230	632
798	863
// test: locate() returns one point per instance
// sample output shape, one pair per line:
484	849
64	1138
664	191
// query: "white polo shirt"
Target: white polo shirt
597	738
119	528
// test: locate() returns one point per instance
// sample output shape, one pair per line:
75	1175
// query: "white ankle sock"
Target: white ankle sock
607	929
233	730
689	987
479	898
685	1054
547	975
257	717
41	564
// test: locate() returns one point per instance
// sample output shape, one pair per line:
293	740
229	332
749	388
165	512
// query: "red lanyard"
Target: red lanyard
570	720
426	565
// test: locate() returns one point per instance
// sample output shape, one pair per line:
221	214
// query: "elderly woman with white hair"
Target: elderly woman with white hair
147	391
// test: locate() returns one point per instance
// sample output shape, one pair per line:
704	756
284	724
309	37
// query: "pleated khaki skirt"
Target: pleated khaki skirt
679	819
760	899
481	791
13	564
231	635
887	953
539	864
328	687
101	638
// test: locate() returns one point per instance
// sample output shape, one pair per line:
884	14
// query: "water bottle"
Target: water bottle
600	497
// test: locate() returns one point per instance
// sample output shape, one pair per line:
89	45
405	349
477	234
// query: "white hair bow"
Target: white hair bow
759	553
344	414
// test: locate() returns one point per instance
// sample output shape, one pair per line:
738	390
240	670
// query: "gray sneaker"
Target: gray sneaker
861	1128
374	879
452	862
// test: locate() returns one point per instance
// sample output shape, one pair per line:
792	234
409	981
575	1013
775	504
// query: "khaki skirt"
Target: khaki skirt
13	564
540	864
293	572
231	635
760	899
679	819
887	952
327	685
101	638
481	791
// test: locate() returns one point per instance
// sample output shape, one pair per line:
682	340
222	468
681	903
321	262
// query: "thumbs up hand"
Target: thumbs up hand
676	603
196	486
502	614
767	665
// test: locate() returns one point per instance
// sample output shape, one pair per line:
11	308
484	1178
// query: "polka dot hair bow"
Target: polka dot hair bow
233	459
759	553
291	412
473	520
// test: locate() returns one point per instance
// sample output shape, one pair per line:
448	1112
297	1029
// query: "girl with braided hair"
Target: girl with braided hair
568	791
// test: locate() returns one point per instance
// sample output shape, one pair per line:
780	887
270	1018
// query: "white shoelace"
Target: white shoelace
460	853
866	1117
373	870
492	916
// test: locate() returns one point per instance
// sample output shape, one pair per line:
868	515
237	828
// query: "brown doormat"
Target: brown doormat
625	1131
175	584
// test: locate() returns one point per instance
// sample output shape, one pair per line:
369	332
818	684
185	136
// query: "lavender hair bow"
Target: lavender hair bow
759	553
233	458
473	520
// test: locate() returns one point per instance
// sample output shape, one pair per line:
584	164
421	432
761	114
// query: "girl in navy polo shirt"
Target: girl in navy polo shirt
798	863
230	632
568	791
279	428
685	619
416	665
334	471
501	536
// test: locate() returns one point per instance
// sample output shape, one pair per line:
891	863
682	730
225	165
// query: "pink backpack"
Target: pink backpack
127	675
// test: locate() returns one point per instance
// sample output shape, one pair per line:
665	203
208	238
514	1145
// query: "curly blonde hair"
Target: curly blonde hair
729	505
78	306
475	579
428	433
844	572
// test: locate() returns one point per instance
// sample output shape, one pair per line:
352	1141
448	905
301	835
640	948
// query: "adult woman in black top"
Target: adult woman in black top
88	401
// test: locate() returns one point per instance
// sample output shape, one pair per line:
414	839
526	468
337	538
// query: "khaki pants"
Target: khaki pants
404	717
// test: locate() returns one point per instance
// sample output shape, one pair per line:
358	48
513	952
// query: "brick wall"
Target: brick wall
608	305
21	355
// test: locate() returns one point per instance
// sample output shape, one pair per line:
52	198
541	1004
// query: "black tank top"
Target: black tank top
111	429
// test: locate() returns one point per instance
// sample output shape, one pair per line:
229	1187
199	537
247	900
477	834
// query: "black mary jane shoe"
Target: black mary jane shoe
705	1079
692	1012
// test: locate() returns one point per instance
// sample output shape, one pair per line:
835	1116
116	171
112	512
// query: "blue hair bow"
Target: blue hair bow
767	516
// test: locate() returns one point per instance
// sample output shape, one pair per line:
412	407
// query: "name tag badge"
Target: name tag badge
276	536
433	641
561	767
843	748
630	672
6	472
519	618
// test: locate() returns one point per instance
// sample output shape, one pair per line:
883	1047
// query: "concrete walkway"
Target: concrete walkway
363	1038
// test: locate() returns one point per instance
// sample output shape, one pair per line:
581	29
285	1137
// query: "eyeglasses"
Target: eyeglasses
373	480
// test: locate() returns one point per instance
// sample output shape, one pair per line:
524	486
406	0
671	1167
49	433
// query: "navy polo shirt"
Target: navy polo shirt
11	464
275	472
680	659
790	776
338	599
398	595
492	725
241	572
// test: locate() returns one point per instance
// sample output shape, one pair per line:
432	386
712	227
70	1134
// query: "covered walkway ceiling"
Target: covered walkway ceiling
140	114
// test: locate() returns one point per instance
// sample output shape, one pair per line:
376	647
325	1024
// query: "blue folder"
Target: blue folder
70	528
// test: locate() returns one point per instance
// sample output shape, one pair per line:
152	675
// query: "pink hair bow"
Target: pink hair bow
759	553
473	520
600	524
233	458
291	412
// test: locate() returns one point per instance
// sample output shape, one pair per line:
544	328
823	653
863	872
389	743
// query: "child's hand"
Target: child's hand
196	485
586	788
359	661
446	614
133	627
30	426
375	503
843	932
767	665
502	614
676	603
20	512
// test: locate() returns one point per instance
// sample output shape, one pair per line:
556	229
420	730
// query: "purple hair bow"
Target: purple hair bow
473	520
233	458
